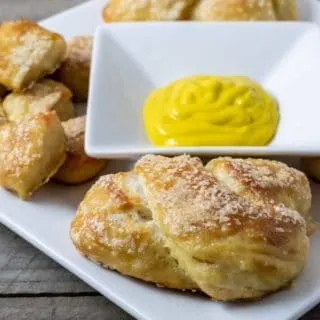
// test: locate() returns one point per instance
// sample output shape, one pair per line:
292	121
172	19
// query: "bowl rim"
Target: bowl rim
122	152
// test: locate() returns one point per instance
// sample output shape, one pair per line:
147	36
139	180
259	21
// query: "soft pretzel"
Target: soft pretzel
126	10
28	52
45	95
244	10
114	227
3	117
286	9
172	222
31	151
75	69
202	10
78	167
268	181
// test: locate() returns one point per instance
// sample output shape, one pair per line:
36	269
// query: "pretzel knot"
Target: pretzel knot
233	229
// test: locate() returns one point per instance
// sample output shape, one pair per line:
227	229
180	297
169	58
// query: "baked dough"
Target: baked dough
78	167
268	181
31	151
45	95
75	70
114	228
27	53
207	10
286	9
148	10
3	118
311	166
172	214
202	10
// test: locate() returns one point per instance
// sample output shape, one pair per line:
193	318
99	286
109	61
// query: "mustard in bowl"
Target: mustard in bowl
207	110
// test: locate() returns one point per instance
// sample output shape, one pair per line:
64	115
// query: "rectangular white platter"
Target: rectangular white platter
44	221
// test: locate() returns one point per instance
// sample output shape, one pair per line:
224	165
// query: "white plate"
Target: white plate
44	221
131	60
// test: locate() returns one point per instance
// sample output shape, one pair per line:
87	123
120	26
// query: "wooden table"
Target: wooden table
32	286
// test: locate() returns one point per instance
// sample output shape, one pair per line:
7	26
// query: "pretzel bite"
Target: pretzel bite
27	53
75	70
31	151
228	10
45	95
268	181
78	167
230	246
124	10
202	10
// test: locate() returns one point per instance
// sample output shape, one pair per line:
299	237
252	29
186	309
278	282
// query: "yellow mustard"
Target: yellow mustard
211	111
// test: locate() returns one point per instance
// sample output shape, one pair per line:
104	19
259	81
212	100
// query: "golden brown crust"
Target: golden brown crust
45	95
268	181
75	70
31	151
185	178
230	246
202	10
27	53
130	10
3	118
114	227
245	10
78	167
286	9
234	10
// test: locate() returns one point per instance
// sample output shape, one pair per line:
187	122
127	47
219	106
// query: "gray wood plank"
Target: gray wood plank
24	269
33	9
67	308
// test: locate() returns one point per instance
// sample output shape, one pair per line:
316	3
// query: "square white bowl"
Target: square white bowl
130	60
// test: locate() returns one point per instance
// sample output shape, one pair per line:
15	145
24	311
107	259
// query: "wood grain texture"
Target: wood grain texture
32	286
33	9
66	308
24	269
